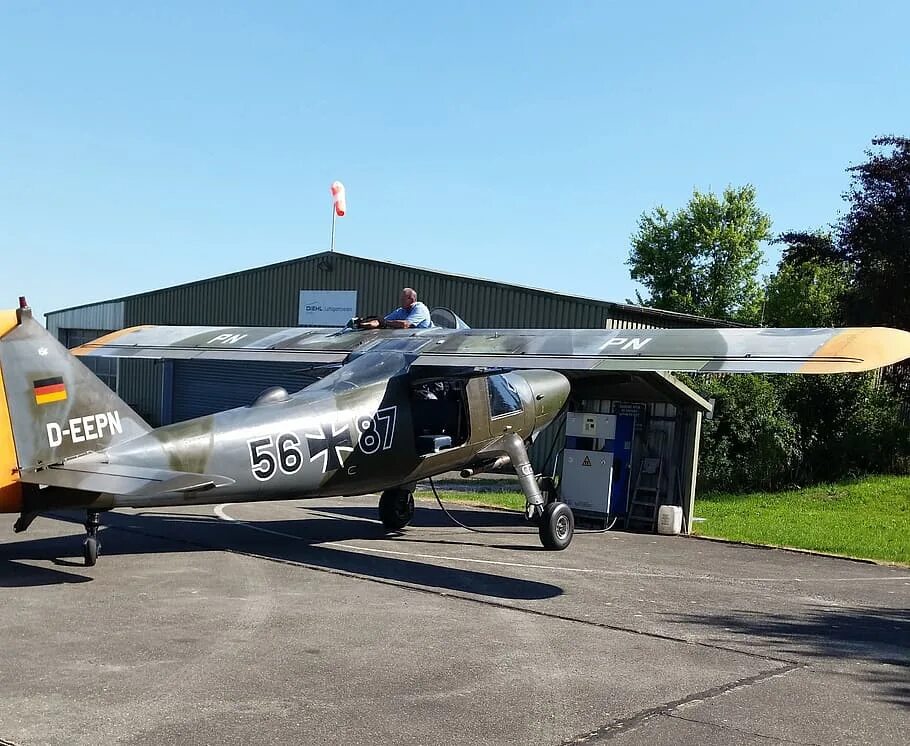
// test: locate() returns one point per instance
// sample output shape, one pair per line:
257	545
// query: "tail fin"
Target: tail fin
55	407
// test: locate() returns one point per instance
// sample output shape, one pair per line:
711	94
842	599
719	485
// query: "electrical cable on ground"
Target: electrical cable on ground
500	531
562	421
469	528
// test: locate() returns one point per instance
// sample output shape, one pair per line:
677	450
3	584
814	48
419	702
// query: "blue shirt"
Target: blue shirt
418	315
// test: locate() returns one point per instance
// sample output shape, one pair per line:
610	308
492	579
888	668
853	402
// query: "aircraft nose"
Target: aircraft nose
550	391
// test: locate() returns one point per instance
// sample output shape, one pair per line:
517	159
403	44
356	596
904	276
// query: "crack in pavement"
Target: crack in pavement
622	725
719	726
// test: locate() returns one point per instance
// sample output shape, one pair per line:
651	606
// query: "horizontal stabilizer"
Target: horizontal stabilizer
117	479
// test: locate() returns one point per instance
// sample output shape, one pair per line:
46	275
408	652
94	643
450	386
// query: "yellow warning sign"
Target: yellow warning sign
587	461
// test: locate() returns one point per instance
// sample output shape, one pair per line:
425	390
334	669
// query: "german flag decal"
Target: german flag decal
49	390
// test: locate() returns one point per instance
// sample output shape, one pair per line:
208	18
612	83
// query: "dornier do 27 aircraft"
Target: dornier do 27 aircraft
402	405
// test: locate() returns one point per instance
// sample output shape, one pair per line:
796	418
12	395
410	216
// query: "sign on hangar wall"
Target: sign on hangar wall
326	307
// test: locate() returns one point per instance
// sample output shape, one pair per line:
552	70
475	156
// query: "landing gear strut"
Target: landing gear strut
554	520
396	508
91	545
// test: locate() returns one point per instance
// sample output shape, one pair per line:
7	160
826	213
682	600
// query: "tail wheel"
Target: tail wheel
557	526
396	509
90	549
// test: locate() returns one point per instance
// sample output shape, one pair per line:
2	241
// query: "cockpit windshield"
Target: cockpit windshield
362	371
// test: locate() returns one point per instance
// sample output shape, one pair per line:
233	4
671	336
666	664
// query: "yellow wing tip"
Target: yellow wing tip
857	349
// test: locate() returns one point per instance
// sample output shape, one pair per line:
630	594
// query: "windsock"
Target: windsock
338	198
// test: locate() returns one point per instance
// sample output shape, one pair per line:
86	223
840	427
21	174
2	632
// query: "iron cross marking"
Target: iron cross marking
332	445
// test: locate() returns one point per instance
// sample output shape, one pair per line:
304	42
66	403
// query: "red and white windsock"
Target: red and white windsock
338	198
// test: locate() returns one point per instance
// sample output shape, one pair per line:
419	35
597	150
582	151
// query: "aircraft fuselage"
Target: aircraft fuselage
324	441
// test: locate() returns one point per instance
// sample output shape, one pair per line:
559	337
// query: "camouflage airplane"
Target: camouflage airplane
402	405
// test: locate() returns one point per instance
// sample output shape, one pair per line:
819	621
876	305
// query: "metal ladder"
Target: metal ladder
646	494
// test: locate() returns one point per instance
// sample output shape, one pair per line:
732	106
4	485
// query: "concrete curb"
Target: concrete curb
797	550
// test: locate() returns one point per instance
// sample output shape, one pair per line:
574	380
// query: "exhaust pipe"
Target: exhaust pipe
488	466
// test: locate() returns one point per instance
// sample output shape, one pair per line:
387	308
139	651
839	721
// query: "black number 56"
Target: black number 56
261	459
266	456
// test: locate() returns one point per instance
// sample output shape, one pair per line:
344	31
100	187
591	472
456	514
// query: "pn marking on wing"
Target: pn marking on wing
626	343
227	339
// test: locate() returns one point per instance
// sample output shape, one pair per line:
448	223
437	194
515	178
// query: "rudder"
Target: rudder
10	488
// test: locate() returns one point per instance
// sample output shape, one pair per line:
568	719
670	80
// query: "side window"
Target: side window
504	399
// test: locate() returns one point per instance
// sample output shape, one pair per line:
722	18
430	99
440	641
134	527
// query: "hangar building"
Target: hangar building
654	419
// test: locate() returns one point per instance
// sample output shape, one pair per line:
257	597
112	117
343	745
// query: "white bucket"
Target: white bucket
669	520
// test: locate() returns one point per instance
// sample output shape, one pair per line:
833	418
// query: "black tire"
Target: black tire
90	549
557	526
396	509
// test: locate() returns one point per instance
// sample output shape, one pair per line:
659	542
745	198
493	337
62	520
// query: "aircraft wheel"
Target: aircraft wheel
557	525
396	509
90	549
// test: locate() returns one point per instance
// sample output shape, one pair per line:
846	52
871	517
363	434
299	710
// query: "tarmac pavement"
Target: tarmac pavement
301	622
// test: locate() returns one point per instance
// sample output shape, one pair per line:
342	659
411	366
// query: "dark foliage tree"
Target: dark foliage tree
810	285
808	246
874	235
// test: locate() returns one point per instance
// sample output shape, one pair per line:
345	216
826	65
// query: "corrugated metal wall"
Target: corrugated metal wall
632	317
105	316
204	387
140	385
268	296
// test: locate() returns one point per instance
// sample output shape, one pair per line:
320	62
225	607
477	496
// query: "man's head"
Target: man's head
408	298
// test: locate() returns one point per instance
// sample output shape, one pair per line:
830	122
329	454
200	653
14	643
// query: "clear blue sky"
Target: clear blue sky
148	144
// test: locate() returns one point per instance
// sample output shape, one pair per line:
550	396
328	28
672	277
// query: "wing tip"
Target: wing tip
858	349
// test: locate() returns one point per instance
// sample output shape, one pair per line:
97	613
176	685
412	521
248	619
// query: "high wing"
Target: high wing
739	350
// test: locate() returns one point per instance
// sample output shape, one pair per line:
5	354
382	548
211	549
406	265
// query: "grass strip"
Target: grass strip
867	518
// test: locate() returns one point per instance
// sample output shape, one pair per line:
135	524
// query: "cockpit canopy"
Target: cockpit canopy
447	318
362	370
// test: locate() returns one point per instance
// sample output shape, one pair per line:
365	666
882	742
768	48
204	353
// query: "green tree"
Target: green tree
704	258
809	292
751	442
847	424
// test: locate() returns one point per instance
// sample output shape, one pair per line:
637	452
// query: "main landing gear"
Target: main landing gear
396	508
91	545
554	520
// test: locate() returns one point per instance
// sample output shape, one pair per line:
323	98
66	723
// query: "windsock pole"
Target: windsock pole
339	206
